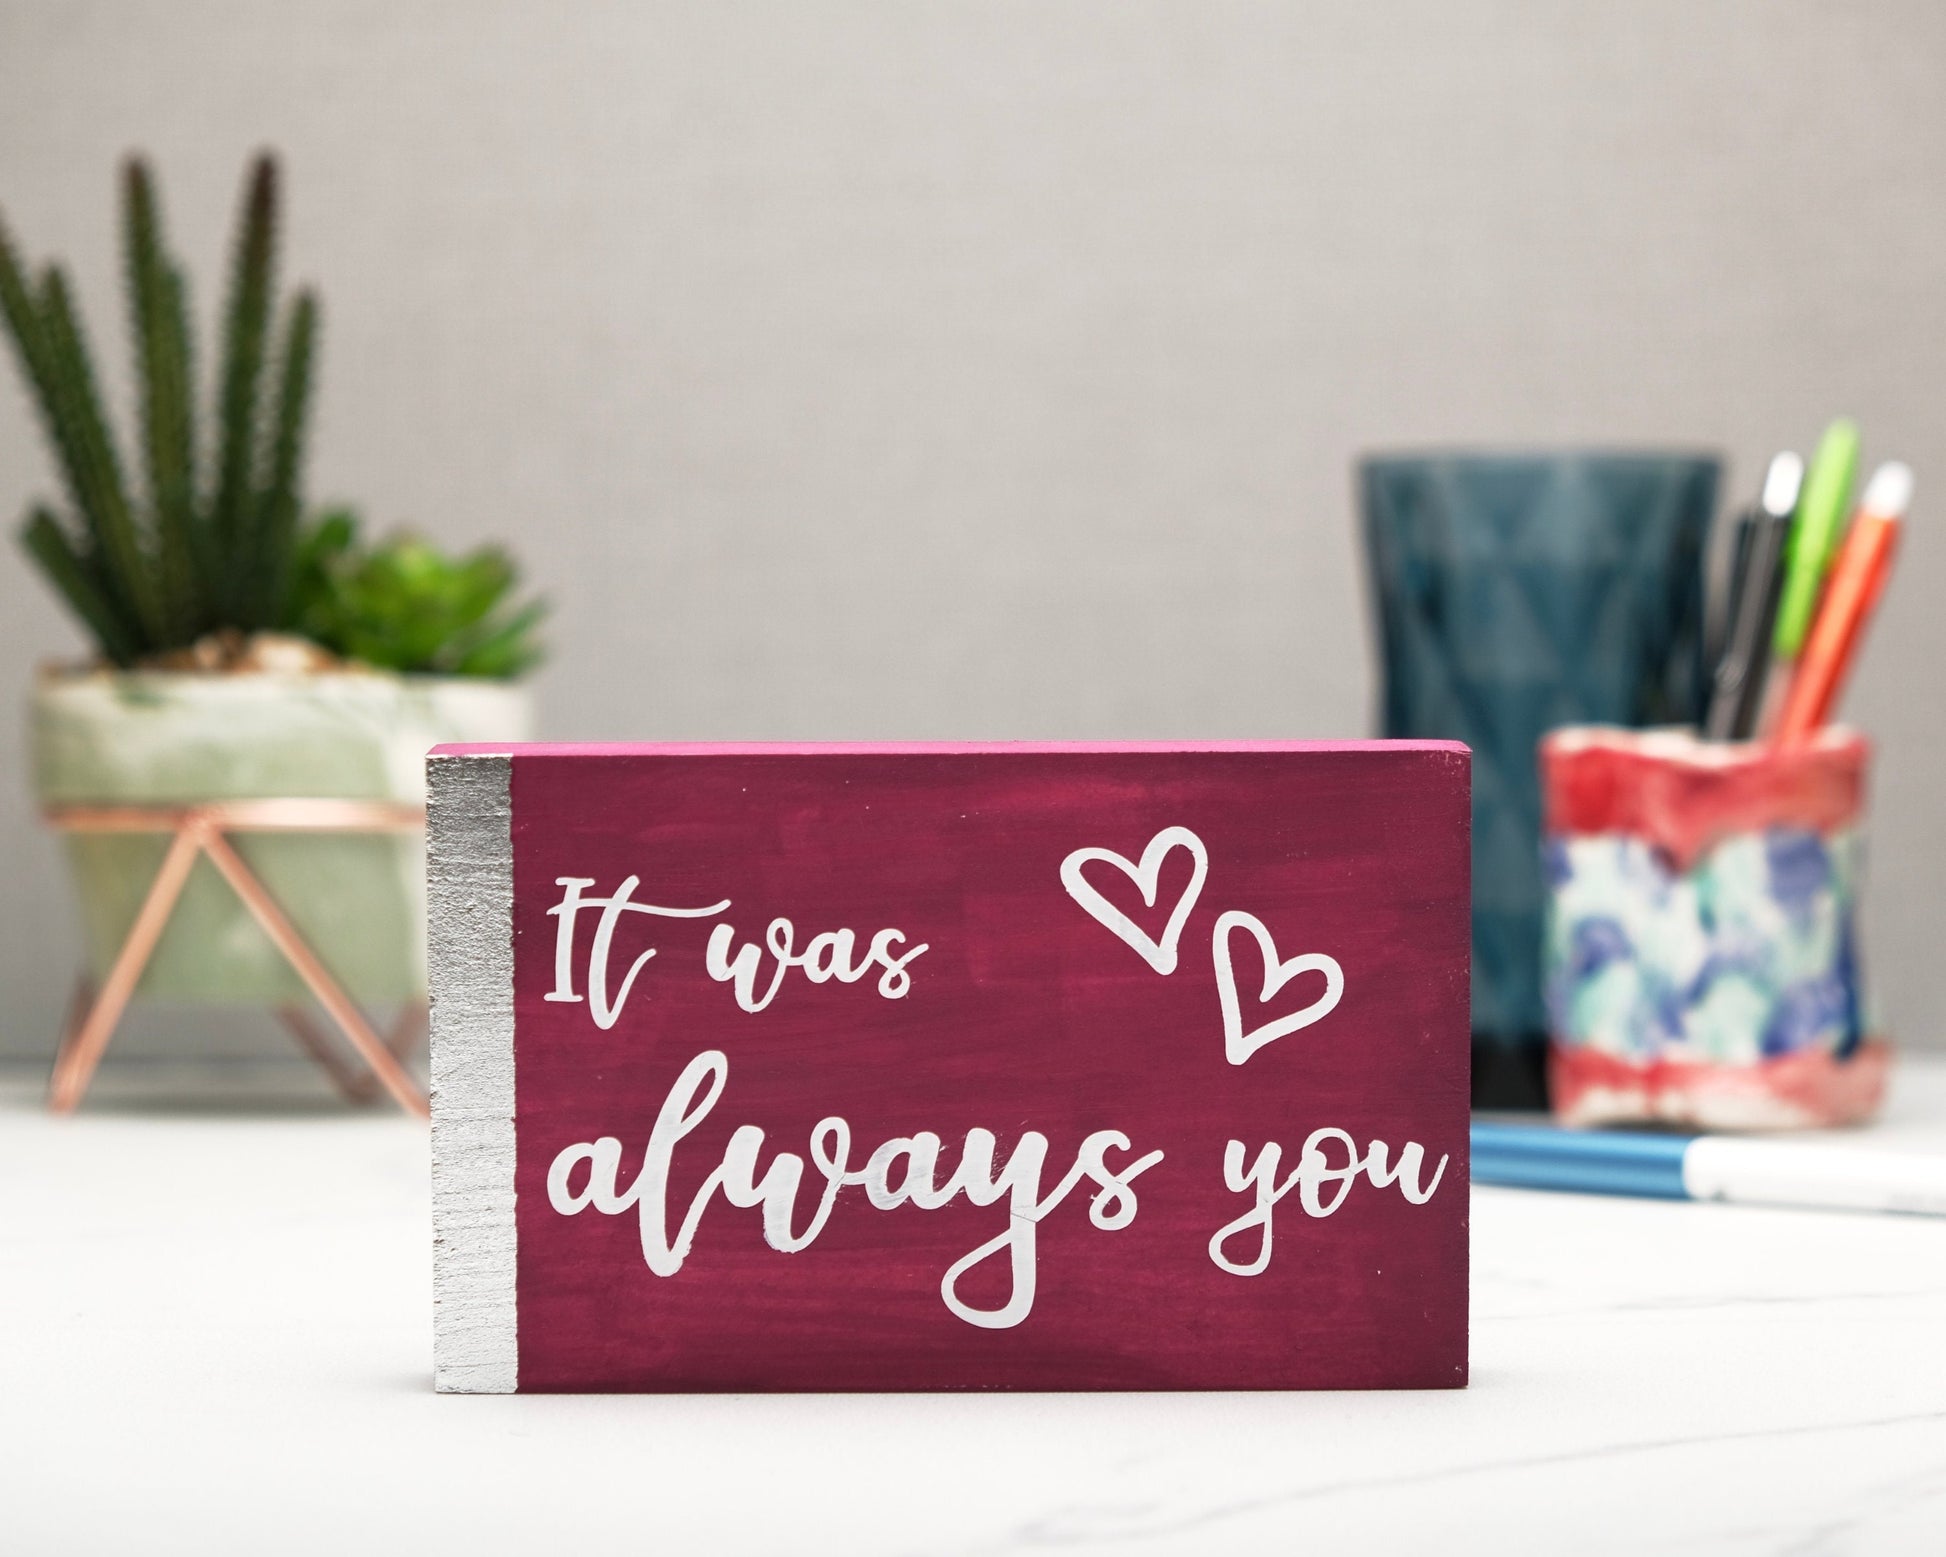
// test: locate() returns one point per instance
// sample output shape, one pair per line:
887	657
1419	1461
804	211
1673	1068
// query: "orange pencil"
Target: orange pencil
1850	596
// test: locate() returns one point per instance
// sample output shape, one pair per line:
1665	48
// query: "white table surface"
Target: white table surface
215	1337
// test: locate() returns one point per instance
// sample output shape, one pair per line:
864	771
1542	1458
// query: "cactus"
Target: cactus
155	572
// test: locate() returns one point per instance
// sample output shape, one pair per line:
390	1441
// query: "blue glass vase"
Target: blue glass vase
1515	593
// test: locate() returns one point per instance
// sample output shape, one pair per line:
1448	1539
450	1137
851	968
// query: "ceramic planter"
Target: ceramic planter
173	738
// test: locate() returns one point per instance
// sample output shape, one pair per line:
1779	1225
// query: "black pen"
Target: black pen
1726	614
1738	688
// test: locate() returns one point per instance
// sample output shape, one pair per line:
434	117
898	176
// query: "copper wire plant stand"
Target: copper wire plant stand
204	830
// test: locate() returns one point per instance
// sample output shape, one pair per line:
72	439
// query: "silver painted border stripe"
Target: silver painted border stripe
469	901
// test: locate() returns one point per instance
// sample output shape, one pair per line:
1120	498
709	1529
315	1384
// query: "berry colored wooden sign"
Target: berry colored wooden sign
950	1067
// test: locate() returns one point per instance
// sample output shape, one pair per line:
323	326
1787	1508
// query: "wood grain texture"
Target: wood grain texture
469	863
1193	953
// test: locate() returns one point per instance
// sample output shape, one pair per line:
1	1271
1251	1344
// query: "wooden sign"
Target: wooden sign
950	1067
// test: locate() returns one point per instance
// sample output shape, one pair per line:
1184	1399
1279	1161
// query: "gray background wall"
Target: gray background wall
989	370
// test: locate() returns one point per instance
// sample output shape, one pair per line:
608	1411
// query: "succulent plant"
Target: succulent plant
402	605
206	540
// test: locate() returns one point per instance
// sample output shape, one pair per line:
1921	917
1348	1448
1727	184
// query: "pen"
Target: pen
1857	580
1737	690
1707	1167
1821	515
1739	563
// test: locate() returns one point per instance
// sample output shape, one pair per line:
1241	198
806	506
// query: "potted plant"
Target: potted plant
245	650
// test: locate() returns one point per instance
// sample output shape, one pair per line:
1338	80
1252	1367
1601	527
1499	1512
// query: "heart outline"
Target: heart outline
1238	1045
1160	954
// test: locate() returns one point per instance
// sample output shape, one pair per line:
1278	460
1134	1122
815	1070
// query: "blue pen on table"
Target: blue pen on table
1708	1167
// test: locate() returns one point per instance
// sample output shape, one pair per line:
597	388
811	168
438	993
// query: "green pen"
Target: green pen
1821	515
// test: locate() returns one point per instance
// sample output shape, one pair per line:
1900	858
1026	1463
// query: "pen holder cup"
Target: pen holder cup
1700	961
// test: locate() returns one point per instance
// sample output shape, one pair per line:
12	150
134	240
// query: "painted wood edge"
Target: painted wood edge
469	902
941	748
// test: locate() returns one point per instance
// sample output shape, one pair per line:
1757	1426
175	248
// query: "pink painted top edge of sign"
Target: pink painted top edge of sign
914	748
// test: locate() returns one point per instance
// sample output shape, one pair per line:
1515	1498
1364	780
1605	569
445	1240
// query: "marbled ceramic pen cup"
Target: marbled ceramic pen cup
1701	960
